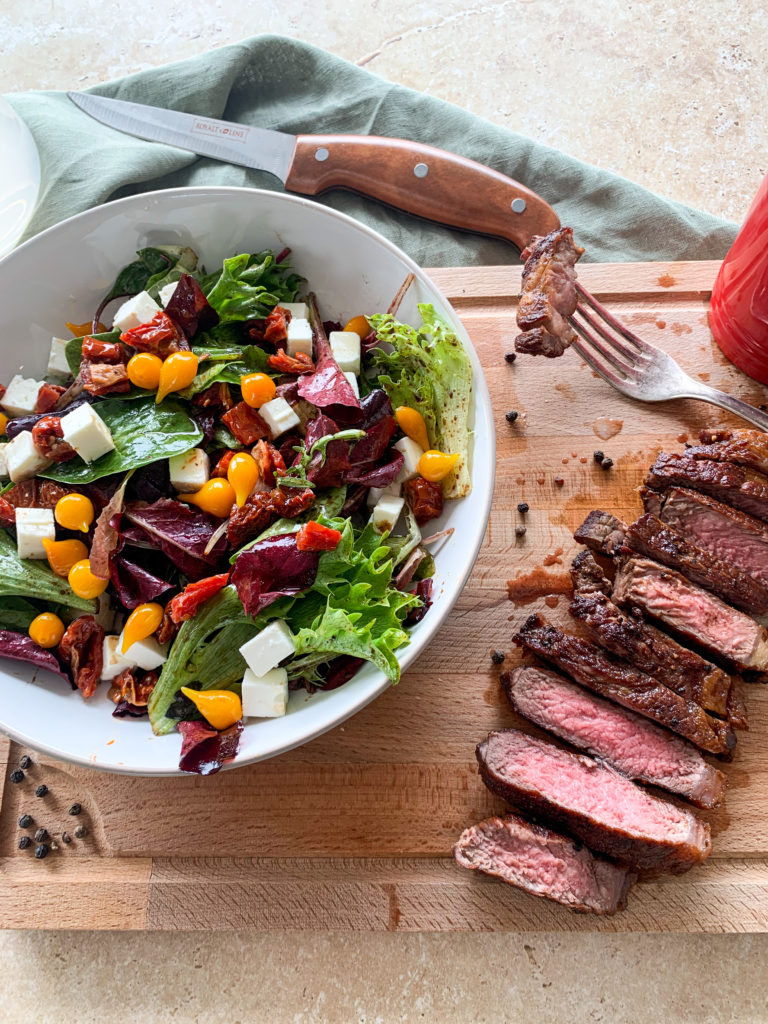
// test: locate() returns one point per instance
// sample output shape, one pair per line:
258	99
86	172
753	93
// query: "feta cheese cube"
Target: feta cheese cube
189	471
345	346
33	525
166	292
265	696
57	359
105	615
279	416
3	462
353	383
87	432
136	311
268	648
299	338
147	654
376	493
411	452
113	662
386	512
22	458
298	310
20	396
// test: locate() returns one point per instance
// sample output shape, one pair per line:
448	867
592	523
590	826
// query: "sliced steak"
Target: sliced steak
652	651
744	447
592	802
627	742
587	576
745	489
733	536
611	677
695	614
601	532
650	536
548	295
543	863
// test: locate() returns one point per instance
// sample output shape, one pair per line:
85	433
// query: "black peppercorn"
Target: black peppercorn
41	851
606	464
512	415
519	531
25	762
598	456
510	357
26	820
523	507
24	843
41	790
75	809
497	657
81	832
41	835
66	838
17	775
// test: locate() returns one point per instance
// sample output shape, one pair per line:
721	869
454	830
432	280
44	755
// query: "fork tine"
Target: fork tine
611	355
599	369
630	354
619	327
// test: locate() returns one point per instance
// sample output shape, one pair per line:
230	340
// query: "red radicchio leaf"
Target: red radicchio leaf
271	569
189	309
341	670
376	476
424	591
326	472
135	585
204	750
20	647
106	536
375	405
182	533
289	391
327	387
376	441
127	710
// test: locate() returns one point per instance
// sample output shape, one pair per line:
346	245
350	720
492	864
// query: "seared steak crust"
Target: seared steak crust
587	576
745	489
601	532
744	447
548	295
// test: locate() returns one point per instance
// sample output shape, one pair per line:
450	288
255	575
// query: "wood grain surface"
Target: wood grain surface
354	830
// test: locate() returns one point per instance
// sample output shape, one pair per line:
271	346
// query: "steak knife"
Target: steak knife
419	179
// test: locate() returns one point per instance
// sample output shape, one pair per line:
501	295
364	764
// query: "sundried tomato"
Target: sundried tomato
185	605
7	513
160	335
281	362
424	498
95	351
48	396
81	648
133	686
276	326
221	467
35	494
215	396
168	628
48	438
315	537
264	508
104	378
245	424
270	462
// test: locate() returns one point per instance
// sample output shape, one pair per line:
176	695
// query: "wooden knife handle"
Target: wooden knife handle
421	180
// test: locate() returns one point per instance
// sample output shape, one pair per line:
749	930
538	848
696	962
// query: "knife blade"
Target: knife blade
422	180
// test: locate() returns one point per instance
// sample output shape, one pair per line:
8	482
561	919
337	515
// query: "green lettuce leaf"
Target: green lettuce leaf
32	578
152	269
17	613
251	285
225	365
142	431
429	370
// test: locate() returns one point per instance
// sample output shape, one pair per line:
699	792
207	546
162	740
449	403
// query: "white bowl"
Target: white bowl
61	275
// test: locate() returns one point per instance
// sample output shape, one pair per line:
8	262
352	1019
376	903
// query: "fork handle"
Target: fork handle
728	402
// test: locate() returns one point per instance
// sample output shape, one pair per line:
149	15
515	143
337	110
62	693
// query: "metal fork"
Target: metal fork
638	369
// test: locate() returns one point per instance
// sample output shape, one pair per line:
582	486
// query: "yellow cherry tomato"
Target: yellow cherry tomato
143	621
216	497
3	422
434	466
220	708
359	325
178	371
63	554
83	581
412	424
257	388
46	630
144	369
242	473
74	512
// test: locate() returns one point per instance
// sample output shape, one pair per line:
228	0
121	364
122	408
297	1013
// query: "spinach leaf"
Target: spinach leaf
17	613
142	431
151	268
74	349
251	285
225	365
33	578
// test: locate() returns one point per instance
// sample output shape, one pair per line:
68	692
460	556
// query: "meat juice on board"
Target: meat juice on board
739	309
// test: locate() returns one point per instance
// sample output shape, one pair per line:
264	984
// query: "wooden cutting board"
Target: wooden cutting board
354	830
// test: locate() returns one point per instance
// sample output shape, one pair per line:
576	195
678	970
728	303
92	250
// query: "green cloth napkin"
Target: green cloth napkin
280	83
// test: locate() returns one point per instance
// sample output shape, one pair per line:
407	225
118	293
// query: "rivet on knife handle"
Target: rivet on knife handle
421	180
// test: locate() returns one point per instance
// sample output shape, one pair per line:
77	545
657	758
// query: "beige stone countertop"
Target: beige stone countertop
671	94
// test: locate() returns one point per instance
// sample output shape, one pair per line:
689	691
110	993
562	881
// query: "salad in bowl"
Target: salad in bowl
215	498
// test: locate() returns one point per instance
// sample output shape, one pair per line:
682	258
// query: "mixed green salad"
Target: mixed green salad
220	498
